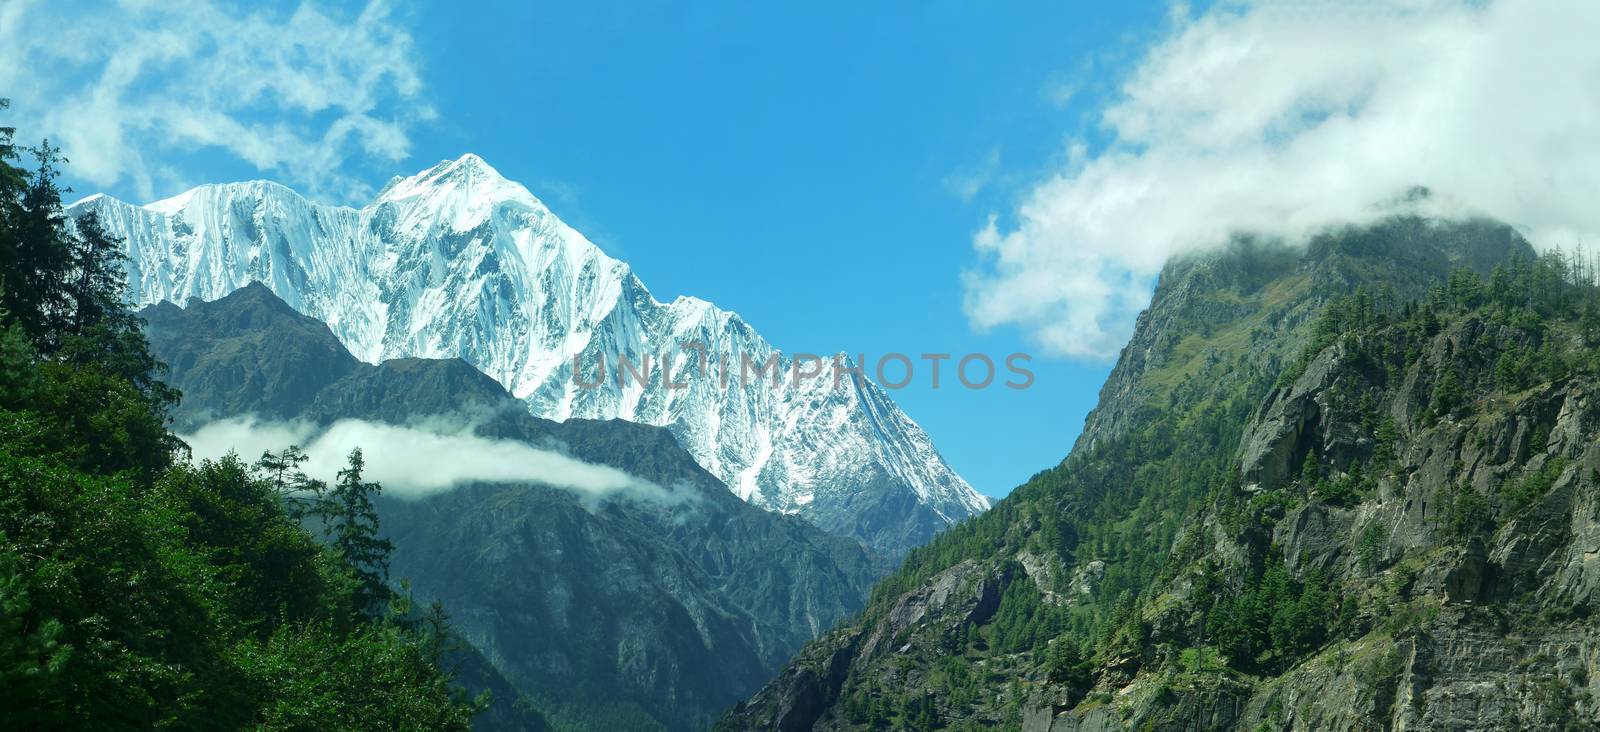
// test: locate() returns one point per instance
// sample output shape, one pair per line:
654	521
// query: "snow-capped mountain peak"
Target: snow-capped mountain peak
457	260
458	193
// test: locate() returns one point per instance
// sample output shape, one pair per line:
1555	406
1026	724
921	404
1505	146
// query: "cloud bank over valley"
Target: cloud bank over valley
420	460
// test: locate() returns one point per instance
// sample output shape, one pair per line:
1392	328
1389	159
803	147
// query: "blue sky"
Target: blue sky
945	177
821	173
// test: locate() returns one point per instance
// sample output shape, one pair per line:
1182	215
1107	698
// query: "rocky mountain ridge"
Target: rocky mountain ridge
1349	486
458	261
616	614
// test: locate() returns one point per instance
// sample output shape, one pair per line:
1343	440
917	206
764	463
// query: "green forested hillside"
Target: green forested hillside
1346	487
137	591
616	614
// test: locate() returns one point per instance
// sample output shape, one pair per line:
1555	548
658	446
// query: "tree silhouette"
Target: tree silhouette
353	524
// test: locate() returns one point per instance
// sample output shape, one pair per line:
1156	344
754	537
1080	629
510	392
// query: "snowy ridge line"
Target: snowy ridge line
458	261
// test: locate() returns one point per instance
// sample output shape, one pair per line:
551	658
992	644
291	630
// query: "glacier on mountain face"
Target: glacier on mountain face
458	261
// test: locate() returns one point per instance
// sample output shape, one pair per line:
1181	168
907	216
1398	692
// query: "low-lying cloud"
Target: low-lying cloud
420	460
1283	118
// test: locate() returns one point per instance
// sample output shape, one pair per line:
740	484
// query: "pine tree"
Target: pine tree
97	285
1449	394
353	523
13	182
37	266
282	468
1589	324
1430	321
95	325
301	495
1310	470
1066	665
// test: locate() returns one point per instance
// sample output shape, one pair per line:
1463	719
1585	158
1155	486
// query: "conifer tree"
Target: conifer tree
282	468
38	258
1449	394
300	494
95	325
97	285
13	181
353	523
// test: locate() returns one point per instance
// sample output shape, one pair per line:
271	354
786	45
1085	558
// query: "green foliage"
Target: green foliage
1464	288
138	591
97	283
1272	620
1345	490
1449	395
1369	548
1201	660
1379	668
1520	494
1545	318
1362	309
1557	702
1387	439
1408	617
32	654
159	604
352	522
1464	512
101	423
1066	665
301	495
1154	494
1310	470
1025	621
34	261
379	677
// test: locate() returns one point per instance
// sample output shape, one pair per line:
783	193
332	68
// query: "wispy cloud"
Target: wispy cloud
1280	118
968	183
298	94
419	460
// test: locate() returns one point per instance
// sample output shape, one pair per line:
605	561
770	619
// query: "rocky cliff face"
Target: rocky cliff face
1329	488
617	614
1479	533
459	262
1277	291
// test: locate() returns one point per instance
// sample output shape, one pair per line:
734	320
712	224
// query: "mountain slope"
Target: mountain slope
616	614
1350	486
457	261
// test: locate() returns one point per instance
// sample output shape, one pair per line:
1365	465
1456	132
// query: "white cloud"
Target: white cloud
419	460
1280	118
295	94
968	183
